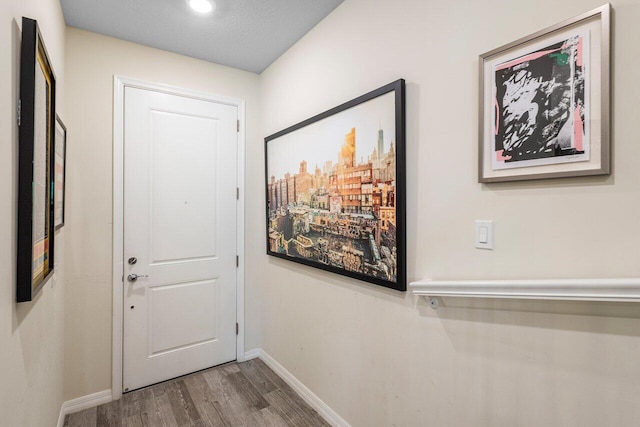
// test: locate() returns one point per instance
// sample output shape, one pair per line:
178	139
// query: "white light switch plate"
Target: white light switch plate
484	234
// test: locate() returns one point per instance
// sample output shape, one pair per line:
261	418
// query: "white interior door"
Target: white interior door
180	230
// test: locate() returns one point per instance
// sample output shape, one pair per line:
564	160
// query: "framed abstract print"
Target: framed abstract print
335	189
60	173
36	164
544	103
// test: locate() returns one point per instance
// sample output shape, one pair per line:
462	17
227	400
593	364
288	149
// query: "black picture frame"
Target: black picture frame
60	194
363	225
35	249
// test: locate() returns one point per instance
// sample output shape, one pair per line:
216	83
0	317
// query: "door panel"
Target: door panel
198	324
190	197
180	225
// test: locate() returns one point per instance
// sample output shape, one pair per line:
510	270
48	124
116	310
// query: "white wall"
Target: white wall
92	61
382	358
31	334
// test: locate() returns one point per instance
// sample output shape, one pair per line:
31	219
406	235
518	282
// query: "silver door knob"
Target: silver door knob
133	277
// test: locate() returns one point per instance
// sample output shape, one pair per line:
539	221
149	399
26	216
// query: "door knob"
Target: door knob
133	277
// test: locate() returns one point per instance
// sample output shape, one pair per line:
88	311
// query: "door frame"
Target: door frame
119	84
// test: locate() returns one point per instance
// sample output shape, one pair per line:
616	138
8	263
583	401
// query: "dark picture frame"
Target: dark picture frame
36	167
60	173
544	107
347	215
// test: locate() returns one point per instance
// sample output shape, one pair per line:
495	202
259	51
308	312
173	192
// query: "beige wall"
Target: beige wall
92	61
382	358
31	334
376	356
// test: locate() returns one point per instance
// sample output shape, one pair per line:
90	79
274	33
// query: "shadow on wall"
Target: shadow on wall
609	318
412	154
331	279
534	334
587	182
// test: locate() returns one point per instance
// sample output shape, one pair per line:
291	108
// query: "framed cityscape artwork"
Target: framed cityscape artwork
60	173
335	189
36	165
544	103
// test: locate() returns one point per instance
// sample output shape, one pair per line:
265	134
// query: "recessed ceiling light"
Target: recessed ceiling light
202	6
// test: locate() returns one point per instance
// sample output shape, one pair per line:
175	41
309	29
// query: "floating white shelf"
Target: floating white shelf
616	290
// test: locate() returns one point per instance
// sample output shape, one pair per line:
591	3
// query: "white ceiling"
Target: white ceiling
244	34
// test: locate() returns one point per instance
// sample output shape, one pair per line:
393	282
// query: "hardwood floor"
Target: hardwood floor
236	394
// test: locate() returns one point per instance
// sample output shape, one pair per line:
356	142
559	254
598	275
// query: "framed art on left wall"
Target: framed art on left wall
60	173
36	164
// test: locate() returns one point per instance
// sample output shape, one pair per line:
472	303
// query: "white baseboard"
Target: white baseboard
253	354
314	401
82	403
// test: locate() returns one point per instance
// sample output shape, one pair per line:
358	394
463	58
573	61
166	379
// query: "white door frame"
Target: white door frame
119	83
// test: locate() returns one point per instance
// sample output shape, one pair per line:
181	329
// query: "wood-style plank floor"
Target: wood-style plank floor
235	394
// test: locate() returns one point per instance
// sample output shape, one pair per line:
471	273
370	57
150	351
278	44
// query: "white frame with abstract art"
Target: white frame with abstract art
60	173
544	103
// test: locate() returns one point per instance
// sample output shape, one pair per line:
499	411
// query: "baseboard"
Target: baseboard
314	401
253	354
83	402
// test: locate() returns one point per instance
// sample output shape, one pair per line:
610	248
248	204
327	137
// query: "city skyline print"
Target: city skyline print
335	189
541	105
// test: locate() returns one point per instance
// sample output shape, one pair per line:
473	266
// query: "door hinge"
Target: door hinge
237	260
238	125
237	193
19	111
237	329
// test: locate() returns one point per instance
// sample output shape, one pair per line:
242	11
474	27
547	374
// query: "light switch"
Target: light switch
484	234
